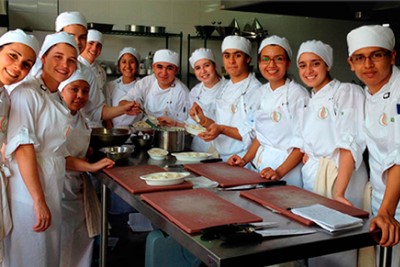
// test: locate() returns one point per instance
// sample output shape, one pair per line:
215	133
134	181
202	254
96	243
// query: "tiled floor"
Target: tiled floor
129	248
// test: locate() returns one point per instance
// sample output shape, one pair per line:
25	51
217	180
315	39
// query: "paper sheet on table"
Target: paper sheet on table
201	182
329	219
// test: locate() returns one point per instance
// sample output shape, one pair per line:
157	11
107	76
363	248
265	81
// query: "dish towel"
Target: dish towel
366	256
326	177
91	206
5	215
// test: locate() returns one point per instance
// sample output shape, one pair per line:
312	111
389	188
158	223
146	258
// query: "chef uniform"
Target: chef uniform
334	120
172	102
236	105
382	121
94	108
278	119
76	244
98	71
37	117
203	96
15	36
116	89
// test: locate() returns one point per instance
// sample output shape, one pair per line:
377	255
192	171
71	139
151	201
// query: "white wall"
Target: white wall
182	15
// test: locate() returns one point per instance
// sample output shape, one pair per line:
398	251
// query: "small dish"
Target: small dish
157	153
194	129
165	178
191	156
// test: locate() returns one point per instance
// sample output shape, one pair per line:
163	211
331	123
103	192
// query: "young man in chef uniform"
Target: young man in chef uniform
237	103
162	93
372	58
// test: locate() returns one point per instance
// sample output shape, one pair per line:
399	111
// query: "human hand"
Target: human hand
166	121
236	160
305	158
132	108
197	114
390	229
270	174
343	200
212	132
42	215
101	164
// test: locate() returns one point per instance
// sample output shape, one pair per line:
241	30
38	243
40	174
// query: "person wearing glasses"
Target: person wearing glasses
333	137
275	149
372	58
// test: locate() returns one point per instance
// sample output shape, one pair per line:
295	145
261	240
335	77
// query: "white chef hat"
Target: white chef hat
166	55
236	42
78	75
95	36
19	36
70	18
56	38
129	50
370	36
201	53
319	48
276	40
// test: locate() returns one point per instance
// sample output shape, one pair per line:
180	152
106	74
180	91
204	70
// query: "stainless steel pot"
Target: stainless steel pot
135	28
172	140
155	29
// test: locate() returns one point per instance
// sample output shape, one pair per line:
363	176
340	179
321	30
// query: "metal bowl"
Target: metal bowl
103	137
204	31
117	152
142	139
226	30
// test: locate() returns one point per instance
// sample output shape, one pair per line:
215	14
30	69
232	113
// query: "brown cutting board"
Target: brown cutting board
129	178
283	198
225	175
197	209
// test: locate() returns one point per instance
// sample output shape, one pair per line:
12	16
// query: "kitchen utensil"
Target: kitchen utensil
103	137
117	152
226	30
135	28
142	139
170	138
204	31
155	29
103	27
151	120
191	156
256	26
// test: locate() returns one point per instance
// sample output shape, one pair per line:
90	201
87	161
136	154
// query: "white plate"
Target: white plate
191	156
194	129
157	153
165	178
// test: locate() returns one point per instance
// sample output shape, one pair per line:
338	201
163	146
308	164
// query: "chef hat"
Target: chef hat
166	55
201	53
70	18
78	75
19	36
56	38
95	36
276	40
236	42
322	50
369	36
129	50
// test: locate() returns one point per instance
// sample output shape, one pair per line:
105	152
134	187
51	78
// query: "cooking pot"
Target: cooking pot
155	29
135	28
103	137
171	139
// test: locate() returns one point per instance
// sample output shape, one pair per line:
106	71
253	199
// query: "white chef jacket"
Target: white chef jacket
276	124
382	124
205	97
235	107
98	72
333	120
172	102
76	245
37	117
94	107
114	91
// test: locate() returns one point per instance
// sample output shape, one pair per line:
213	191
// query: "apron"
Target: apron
76	246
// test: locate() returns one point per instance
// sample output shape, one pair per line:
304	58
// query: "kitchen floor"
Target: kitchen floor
125	247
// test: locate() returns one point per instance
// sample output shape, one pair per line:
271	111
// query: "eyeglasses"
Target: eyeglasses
277	60
374	57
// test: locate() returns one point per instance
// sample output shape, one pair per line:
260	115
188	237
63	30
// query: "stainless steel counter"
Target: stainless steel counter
270	251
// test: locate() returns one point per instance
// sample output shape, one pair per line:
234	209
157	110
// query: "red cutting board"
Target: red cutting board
284	198
197	209
226	175
129	178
